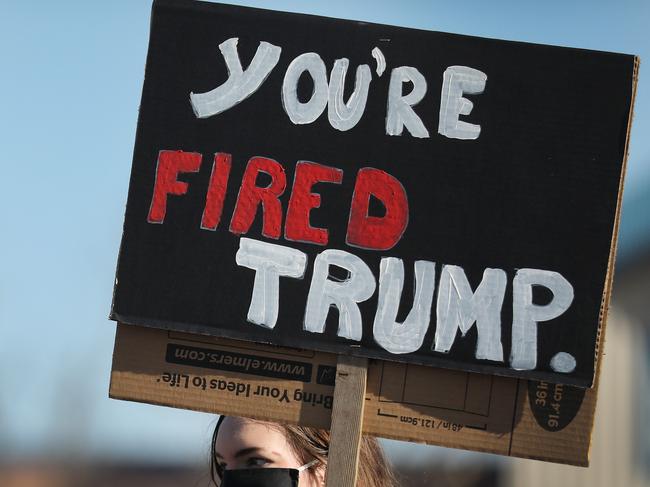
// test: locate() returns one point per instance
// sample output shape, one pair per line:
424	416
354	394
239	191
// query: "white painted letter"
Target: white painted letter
303	113
343	116
345	295
455	81
457	307
240	84
400	112
526	315
269	261
404	337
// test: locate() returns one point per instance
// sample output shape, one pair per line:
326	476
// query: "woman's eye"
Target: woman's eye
257	462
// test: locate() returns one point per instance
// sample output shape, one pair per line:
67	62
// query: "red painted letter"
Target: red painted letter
297	227
216	191
250	196
170	164
371	232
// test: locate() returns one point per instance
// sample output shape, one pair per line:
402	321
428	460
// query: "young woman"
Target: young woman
251	453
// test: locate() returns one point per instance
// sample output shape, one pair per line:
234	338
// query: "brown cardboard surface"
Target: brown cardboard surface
414	403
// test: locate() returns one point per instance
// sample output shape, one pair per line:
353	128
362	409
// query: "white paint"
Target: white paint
459	308
343	116
304	113
380	59
563	362
400	111
269	261
344	295
526	315
240	83
456	81
408	336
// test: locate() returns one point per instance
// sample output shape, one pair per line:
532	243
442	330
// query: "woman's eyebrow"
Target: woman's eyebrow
246	451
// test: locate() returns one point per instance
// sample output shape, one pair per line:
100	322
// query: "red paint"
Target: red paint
297	227
250	196
216	191
371	232
170	165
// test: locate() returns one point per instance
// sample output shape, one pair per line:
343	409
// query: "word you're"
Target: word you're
344	115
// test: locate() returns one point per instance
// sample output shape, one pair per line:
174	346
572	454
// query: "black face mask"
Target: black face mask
261	477
264	477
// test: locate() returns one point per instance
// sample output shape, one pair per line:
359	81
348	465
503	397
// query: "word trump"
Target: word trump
328	93
364	230
458	308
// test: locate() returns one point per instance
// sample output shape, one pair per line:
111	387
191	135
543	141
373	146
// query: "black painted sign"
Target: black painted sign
374	190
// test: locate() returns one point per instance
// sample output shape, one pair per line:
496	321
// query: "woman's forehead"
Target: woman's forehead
233	425
236	434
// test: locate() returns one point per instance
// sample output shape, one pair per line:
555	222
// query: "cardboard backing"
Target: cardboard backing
501	415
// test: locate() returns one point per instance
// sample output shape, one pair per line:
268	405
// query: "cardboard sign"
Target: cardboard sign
501	415
365	189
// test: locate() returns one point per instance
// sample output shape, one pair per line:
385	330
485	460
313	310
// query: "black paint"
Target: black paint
242	363
554	406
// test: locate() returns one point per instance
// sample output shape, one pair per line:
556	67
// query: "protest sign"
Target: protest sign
364	189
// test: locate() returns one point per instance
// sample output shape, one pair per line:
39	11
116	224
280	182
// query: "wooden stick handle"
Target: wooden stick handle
347	421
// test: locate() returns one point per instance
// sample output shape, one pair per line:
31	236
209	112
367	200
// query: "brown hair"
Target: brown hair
313	443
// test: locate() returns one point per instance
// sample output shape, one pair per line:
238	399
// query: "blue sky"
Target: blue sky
70	85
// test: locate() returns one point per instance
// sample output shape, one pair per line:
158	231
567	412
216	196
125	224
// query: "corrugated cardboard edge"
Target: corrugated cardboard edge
609	276
609	279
